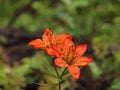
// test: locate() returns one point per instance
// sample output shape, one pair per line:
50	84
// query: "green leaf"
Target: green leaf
96	71
116	84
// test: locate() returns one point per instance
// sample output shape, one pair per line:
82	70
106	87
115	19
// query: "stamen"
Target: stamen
70	55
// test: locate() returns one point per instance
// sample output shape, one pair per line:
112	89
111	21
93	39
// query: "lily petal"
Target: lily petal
56	50
60	62
61	38
74	71
67	44
82	61
80	49
37	43
50	51
48	37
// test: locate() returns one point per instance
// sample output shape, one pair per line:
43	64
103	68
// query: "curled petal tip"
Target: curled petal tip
46	28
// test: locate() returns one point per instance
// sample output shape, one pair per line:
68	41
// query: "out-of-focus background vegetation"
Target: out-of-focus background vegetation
95	22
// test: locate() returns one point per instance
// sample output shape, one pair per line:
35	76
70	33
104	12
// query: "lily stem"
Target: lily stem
63	73
59	76
56	71
59	83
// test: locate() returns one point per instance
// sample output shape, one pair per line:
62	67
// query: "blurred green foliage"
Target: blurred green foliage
11	77
20	75
99	19
116	84
77	17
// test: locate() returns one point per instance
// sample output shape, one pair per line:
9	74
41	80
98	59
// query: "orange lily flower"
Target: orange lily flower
47	40
71	57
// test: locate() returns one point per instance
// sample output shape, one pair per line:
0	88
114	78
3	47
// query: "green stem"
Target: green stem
59	76
63	73
56	71
59	83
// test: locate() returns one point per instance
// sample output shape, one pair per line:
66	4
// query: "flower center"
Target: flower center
70	56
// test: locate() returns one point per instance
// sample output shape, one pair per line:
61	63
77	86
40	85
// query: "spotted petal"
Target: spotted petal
37	43
61	38
48	37
60	62
57	51
67	45
50	51
80	49
74	71
82	61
